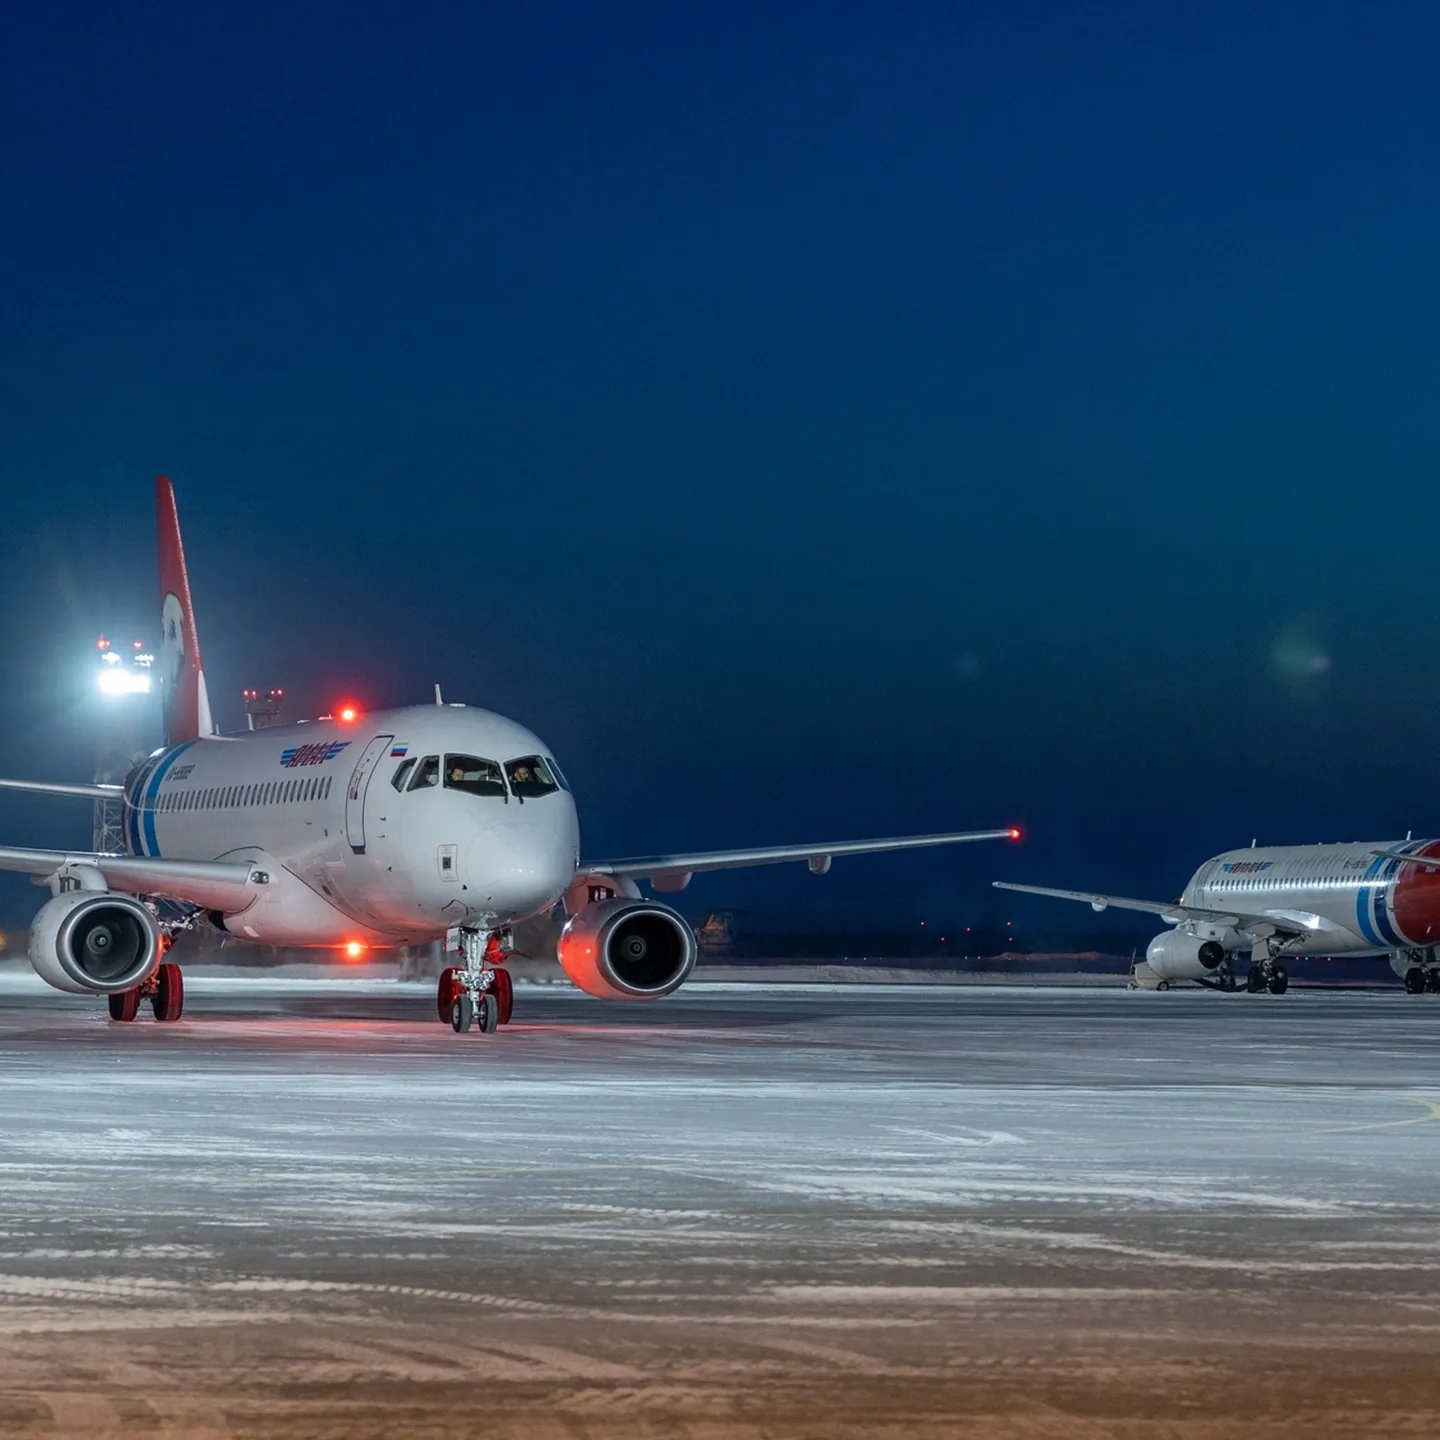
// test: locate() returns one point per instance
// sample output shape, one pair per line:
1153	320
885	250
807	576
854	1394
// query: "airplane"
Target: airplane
1272	903
429	822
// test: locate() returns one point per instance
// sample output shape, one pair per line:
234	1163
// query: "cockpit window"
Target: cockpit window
402	773
473	775
558	773
427	774
530	776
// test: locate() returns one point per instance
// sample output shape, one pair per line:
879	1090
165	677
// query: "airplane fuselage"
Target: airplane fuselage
388	828
1350	900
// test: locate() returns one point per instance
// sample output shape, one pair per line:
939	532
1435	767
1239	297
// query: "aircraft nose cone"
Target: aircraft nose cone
520	867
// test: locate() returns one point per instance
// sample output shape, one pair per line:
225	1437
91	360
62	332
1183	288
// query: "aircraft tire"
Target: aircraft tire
446	992
1432	981
168	1001
462	1014
504	992
488	1014
1255	980
1415	981
1163	985
125	1005
1279	981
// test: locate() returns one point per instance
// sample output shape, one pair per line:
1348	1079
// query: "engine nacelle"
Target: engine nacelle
1179	955
627	950
94	942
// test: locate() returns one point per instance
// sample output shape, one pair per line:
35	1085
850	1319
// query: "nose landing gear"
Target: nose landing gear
478	993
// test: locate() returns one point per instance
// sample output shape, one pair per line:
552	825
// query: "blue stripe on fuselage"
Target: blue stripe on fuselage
134	798
1362	904
153	789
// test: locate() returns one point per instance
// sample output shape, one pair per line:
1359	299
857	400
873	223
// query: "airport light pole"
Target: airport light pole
125	684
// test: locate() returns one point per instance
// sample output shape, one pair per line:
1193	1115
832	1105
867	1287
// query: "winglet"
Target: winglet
187	705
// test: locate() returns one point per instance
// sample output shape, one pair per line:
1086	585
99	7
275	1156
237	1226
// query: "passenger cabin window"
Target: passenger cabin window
428	774
473	775
530	777
402	772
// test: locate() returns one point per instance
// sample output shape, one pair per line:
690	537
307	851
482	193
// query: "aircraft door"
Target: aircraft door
359	784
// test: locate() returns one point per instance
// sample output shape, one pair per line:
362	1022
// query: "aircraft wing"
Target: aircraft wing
673	872
1426	862
1170	910
49	787
211	884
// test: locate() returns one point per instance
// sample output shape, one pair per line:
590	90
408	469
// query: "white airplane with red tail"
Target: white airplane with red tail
432	822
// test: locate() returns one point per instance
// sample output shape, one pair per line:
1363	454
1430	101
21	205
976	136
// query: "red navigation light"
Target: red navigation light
137	644
354	949
1014	832
102	644
349	714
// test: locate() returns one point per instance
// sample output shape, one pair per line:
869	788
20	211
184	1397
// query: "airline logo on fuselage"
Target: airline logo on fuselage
1246	867
316	754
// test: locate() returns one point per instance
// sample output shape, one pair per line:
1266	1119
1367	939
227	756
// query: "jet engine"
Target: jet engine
627	950
1179	955
94	942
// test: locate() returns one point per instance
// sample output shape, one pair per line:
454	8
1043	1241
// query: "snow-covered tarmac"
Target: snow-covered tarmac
800	1209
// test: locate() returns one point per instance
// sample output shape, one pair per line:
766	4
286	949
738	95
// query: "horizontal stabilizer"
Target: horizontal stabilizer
46	787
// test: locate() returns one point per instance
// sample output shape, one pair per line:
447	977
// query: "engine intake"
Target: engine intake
627	950
94	943
1178	955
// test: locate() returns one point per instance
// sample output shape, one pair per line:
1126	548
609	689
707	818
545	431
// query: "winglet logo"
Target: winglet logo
316	754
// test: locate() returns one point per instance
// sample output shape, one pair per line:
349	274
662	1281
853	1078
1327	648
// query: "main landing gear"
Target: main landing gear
1419	968
478	994
165	990
1265	973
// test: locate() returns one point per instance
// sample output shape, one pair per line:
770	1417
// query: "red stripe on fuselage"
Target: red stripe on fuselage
1415	900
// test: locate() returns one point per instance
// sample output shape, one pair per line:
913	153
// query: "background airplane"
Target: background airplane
1270	904
433	822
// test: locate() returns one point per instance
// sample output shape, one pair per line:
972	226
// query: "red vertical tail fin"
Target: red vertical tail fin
187	706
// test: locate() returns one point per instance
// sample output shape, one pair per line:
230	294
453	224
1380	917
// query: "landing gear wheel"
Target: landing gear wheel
488	1013
1163	985
1415	981
125	1005
169	998
1432	981
462	1014
1228	983
1255	980
1279	981
503	989
445	994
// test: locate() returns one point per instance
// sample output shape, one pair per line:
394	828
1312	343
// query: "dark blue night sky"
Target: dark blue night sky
816	420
